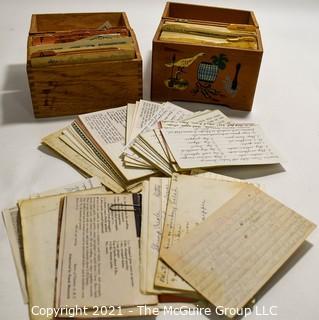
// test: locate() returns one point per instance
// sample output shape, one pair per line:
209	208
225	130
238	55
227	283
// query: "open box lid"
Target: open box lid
191	12
53	22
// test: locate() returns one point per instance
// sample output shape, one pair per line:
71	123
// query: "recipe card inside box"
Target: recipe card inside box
82	62
206	54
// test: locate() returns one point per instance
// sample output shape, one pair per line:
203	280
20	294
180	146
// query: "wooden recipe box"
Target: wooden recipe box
205	73
59	90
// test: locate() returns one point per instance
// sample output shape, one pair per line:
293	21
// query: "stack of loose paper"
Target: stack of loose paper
202	140
187	240
172	207
221	239
94	143
77	247
182	234
98	143
124	146
208	236
98	258
32	232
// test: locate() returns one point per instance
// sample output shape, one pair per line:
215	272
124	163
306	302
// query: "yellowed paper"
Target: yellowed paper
95	41
143	239
135	187
133	161
129	120
76	159
85	184
158	193
12	223
98	263
39	220
84	56
191	199
248	42
11	217
147	145
79	146
79	142
231	255
208	30
208	174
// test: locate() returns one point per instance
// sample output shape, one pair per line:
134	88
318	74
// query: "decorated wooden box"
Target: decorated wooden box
206	54
82	62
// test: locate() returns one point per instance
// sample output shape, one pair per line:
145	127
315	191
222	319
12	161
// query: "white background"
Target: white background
286	106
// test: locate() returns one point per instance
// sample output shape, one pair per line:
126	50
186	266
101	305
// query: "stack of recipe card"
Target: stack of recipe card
214	237
104	43
125	145
187	241
152	229
217	34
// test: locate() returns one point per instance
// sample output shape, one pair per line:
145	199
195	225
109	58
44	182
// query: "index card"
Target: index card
39	221
144	113
150	145
107	128
98	260
208	118
191	199
129	120
231	255
77	159
231	144
11	217
167	111
157	207
11	220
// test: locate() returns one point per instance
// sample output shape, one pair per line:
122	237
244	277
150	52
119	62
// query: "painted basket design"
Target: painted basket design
207	72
